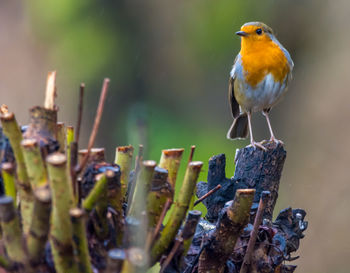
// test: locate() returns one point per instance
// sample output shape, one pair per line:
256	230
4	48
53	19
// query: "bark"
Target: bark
255	168
222	241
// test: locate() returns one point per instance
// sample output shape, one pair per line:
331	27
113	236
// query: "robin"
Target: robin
258	80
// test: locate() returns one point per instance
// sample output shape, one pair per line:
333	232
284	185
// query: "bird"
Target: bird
258	80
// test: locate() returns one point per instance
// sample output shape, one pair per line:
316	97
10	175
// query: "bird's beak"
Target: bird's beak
242	33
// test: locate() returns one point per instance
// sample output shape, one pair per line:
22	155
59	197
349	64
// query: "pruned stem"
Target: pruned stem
39	228
35	165
61	137
190	158
189	230
13	133
80	111
100	221
223	240
8	176
155	232
218	187
170	160
115	200
177	244
123	158
61	226
11	230
98	191
69	140
80	243
43	127
142	186
96	124
159	193
96	155
251	243
179	212
50	93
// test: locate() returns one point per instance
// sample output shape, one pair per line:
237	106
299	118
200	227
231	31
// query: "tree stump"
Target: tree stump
255	169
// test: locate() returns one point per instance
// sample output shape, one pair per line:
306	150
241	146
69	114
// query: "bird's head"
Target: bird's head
255	31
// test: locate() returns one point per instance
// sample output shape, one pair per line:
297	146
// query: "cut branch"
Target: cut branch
8	176
13	133
34	162
223	240
61	226
178	214
50	93
39	228
207	195
170	160
11	231
80	111
258	219
123	158
96	124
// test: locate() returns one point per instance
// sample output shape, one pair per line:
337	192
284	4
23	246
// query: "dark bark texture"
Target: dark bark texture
255	169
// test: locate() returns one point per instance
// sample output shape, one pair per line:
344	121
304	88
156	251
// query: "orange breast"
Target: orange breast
261	58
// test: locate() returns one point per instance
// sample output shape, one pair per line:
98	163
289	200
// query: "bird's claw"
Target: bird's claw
276	141
258	145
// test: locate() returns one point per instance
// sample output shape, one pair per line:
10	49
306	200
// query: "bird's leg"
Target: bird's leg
272	138
252	142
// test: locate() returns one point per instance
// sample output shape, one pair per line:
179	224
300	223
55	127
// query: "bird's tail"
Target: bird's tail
239	127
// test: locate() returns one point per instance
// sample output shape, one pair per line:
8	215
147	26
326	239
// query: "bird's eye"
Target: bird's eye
259	31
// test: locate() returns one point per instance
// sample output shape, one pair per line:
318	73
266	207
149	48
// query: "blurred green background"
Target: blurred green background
169	63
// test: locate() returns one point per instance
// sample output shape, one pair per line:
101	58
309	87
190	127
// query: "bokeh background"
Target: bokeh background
169	62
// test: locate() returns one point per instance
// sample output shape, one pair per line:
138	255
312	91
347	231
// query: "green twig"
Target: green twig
35	165
8	176
142	186
179	212
159	193
11	229
80	240
61	136
170	160
13	133
123	158
61	226
69	139
39	228
97	191
115	200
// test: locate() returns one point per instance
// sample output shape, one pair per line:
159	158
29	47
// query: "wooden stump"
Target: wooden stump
255	169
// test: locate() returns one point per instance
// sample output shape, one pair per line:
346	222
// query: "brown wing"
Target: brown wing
231	98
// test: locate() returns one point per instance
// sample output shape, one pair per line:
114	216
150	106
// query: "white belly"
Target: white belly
265	95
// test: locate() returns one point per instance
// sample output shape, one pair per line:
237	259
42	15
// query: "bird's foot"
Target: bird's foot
258	145
276	141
